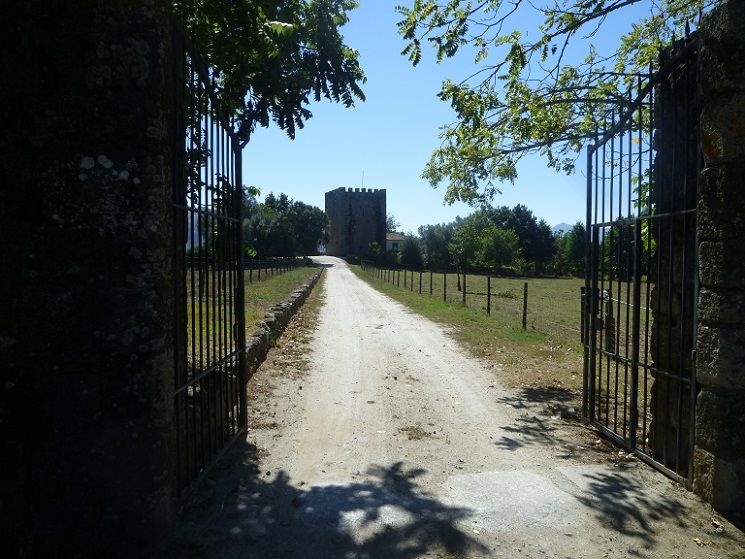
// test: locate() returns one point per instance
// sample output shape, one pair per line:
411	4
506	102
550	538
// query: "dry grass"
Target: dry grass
286	362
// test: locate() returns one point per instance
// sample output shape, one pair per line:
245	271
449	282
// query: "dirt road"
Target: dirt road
392	443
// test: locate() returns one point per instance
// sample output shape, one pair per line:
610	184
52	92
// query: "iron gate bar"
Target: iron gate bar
209	391
619	250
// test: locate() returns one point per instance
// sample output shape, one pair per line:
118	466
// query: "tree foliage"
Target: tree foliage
282	227
528	95
570	253
270	58
435	240
391	223
411	254
492	239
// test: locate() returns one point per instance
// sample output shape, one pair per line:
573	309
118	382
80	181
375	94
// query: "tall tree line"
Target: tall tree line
280	226
497	240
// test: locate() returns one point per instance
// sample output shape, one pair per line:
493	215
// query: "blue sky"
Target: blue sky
390	136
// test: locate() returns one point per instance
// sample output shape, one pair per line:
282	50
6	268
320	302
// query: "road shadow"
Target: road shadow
628	507
243	512
530	396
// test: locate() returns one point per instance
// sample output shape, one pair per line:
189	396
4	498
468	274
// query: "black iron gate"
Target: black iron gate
210	368
641	287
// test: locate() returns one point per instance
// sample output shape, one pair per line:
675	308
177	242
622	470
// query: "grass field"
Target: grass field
210	314
548	353
553	306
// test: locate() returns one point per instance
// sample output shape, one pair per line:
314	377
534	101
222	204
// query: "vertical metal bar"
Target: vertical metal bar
587	370
190	435
683	356
212	296
613	263
240	299
696	68
649	247
629	269
601	288
430	282
219	257
634	418
203	278
420	282
445	286
180	225
464	287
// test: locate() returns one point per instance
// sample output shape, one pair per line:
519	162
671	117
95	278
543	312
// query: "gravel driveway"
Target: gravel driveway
393	443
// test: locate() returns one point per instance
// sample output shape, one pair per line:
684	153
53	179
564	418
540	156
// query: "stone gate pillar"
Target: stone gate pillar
86	304
719	458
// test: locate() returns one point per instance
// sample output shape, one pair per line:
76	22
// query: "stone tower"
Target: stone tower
356	218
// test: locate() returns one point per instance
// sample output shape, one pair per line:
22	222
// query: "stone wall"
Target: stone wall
719	467
86	313
274	323
356	218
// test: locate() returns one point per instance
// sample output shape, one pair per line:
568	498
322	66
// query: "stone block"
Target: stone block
721	205
720	482
721	264
721	306
720	360
723	128
722	49
720	423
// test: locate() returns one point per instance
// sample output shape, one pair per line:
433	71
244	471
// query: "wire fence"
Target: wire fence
258	269
551	306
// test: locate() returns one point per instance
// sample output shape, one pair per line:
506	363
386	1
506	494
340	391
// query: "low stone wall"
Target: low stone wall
274	323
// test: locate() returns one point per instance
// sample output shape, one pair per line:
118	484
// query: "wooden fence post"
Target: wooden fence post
525	306
488	295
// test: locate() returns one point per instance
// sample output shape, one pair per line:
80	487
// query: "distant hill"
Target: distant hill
561	228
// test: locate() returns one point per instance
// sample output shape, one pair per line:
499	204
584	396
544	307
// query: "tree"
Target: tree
411	254
572	249
543	247
282	227
497	248
465	241
530	96
309	226
435	240
391	223
270	57
536	239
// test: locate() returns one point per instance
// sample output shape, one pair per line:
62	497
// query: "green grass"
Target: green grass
211	314
547	353
553	304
